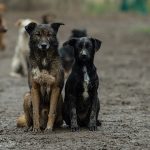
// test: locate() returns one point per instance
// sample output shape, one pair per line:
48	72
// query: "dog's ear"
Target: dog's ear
71	42
56	26
30	27
96	43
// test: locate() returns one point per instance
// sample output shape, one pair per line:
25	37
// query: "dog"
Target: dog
2	8
46	78
81	104
78	33
21	56
66	52
48	18
3	30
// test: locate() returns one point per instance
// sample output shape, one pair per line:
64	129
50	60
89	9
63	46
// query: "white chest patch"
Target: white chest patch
44	62
85	84
35	72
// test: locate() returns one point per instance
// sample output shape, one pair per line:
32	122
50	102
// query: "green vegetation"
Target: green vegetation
97	8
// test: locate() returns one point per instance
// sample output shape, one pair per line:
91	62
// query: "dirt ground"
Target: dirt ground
124	69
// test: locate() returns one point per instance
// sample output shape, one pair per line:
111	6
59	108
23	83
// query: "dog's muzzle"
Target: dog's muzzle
83	54
43	46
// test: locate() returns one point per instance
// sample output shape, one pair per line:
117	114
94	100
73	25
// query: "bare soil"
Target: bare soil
123	65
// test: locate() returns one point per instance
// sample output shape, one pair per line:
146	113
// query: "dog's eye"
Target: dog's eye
80	46
37	34
49	34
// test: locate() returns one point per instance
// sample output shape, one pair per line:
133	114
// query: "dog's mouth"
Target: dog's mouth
84	58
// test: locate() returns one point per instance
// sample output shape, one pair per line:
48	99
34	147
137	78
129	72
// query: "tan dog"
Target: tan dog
20	58
46	79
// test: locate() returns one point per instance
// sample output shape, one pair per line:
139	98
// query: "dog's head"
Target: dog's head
43	36
67	56
84	48
77	33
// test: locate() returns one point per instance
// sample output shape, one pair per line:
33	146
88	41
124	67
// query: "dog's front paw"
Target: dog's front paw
48	130
92	127
36	130
74	128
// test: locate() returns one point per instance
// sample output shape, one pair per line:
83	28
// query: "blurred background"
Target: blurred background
95	6
122	63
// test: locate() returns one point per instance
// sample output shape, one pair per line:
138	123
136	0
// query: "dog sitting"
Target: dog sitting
66	52
3	30
21	55
46	78
81	104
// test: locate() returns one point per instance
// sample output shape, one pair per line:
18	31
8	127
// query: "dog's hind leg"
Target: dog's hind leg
28	110
24	64
16	66
98	122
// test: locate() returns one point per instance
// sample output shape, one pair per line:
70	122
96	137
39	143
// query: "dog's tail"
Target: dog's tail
21	121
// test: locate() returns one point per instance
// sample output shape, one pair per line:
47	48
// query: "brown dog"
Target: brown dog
2	33
46	78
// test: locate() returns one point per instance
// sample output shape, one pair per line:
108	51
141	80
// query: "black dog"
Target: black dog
78	33
81	104
67	53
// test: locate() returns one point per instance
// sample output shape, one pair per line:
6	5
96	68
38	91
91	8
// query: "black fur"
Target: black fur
66	51
79	110
78	33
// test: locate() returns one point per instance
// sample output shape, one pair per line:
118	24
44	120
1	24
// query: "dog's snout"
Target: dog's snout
83	53
44	46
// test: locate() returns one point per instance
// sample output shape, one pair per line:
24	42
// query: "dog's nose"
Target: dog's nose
44	46
83	53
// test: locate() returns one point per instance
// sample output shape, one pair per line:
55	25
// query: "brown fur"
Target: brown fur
26	120
46	78
2	33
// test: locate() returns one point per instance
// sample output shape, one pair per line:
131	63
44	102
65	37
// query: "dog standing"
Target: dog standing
21	55
46	78
66	52
81	104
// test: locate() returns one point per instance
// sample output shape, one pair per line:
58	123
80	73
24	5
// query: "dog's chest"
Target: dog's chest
44	62
86	81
